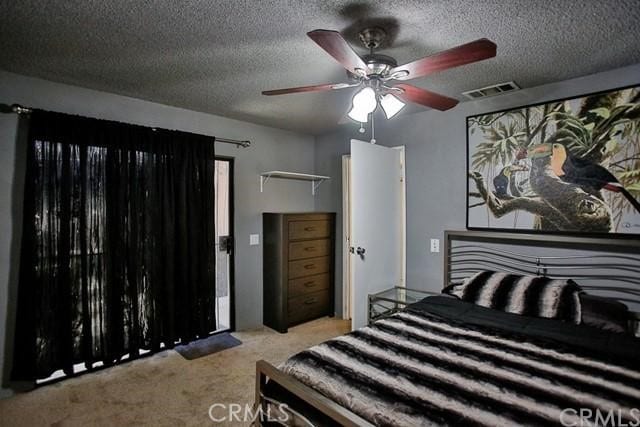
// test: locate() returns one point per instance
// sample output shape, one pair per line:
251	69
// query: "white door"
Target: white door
377	223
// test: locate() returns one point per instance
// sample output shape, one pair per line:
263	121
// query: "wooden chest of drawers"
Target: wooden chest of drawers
298	267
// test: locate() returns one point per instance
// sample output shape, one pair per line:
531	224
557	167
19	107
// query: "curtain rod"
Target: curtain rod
19	109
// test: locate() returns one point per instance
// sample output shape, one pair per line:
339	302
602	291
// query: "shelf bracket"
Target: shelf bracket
314	186
263	180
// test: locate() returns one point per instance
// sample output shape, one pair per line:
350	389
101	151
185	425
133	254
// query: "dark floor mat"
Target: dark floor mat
207	346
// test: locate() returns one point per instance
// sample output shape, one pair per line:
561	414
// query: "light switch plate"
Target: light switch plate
435	245
254	239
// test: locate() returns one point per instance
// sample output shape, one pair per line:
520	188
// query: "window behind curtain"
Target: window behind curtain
118	243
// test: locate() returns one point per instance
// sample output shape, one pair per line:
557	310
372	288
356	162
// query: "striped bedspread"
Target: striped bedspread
416	369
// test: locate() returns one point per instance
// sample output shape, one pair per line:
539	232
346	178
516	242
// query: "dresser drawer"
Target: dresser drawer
309	229
308	267
306	285
308	306
309	249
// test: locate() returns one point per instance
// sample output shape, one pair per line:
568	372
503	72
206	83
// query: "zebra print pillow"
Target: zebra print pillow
526	295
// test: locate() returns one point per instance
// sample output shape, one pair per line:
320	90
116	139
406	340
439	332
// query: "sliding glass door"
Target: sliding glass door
224	243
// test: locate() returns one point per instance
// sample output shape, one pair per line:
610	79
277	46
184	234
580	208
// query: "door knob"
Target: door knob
360	251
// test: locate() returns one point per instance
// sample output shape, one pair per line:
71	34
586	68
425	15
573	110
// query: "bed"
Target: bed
450	361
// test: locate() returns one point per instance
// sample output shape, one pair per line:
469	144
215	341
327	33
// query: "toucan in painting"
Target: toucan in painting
504	182
591	177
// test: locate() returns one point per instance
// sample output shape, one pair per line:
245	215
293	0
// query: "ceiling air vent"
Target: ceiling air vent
492	90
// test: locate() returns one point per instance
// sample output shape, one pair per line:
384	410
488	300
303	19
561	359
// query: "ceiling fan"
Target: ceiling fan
375	73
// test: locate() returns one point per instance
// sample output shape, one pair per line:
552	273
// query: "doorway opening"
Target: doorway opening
347	293
224	244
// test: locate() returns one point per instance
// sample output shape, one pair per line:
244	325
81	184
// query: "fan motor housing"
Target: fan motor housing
377	65
380	64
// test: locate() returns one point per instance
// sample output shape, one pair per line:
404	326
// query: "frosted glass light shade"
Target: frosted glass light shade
391	105
358	115
364	102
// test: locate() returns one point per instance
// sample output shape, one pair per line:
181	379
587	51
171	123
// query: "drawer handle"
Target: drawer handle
310	284
309	228
309	266
310	248
310	301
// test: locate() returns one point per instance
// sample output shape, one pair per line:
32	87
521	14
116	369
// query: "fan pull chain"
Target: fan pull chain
373	130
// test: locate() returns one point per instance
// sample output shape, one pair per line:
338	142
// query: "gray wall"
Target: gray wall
272	149
436	160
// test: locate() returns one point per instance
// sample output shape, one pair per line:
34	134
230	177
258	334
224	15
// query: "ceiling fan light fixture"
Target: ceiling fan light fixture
373	72
364	102
391	105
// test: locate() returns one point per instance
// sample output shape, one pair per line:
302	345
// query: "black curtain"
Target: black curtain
118	249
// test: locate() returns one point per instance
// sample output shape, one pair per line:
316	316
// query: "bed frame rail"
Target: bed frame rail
267	372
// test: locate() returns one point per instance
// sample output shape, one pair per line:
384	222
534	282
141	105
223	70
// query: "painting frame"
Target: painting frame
634	235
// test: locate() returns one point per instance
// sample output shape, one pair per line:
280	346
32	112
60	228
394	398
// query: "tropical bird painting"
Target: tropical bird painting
570	166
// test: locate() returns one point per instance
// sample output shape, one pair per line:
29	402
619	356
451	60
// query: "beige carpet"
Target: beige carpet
164	389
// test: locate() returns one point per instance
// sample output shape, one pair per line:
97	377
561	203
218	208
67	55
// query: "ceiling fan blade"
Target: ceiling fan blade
425	97
314	88
333	43
461	55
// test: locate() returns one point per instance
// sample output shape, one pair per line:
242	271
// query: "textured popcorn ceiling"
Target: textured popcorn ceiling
217	56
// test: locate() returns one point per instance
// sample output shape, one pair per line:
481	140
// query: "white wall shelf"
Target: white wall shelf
315	180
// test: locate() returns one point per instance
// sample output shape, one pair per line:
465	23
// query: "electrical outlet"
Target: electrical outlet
435	245
254	239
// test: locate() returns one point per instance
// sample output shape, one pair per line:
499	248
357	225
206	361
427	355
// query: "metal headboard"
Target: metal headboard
602	266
